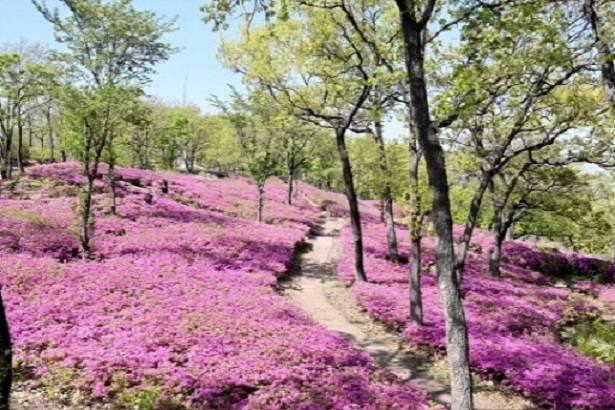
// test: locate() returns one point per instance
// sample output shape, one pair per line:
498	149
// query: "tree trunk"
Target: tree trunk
111	177
607	67
259	213
50	135
495	254
192	159
6	359
387	196
20	159
30	134
112	190
5	168
291	181
86	217
353	205
475	205
290	168
416	298
391	234
510	232
457	346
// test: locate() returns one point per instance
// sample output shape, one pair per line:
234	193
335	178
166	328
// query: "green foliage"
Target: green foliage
109	43
595	339
143	399
257	135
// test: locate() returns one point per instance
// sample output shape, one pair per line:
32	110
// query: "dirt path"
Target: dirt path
314	288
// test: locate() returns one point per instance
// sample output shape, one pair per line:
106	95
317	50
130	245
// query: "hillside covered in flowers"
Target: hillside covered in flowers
177	309
514	322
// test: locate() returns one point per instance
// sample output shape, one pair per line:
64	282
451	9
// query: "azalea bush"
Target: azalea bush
513	321
559	265
178	308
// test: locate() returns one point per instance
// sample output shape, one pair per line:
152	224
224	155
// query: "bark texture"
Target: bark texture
353	205
387	195
416	219
6	359
457	346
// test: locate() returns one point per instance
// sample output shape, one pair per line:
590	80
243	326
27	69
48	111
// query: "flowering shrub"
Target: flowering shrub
606	294
511	322
557	264
179	308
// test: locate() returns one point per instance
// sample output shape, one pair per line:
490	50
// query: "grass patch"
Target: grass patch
595	339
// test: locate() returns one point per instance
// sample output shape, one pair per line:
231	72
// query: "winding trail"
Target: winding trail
314	287
316	283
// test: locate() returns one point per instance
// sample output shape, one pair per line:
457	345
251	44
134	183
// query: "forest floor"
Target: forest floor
314	287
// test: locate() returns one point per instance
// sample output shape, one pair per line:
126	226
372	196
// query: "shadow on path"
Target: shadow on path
313	274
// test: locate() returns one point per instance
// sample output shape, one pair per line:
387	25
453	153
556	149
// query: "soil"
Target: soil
314	287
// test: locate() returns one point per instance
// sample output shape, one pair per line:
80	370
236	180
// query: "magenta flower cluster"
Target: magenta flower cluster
559	264
511	321
179	307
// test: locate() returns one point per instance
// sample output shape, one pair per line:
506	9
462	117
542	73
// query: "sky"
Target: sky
196	61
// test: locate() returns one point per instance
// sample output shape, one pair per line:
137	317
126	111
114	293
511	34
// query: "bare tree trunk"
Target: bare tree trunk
112	188
86	217
20	159
510	232
6	359
457	345
5	171
9	170
475	205
50	134
416	296
387	196
291	182
192	159
416	219
495	254
261	191
90	171
353	205
391	234
111	176
30	133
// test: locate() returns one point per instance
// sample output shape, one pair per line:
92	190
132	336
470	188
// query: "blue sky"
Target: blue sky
197	58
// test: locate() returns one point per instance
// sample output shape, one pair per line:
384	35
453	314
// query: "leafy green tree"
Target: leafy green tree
112	49
298	146
253	121
328	92
414	17
23	78
511	101
169	140
324	169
